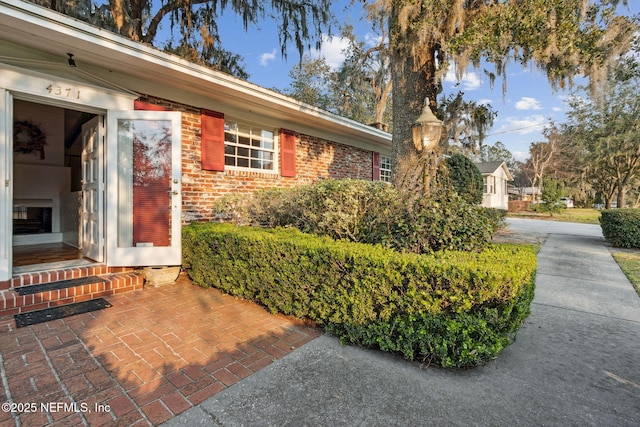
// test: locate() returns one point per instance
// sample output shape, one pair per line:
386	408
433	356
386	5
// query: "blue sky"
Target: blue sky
523	110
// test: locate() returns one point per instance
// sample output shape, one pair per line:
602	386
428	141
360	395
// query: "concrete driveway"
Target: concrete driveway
575	362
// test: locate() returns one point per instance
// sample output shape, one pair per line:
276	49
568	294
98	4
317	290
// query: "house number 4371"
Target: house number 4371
67	92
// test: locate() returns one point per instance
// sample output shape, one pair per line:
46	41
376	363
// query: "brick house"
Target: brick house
110	146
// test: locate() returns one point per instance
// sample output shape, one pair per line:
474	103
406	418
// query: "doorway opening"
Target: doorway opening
47	185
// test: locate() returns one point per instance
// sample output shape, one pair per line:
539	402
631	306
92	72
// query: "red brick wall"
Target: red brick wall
316	159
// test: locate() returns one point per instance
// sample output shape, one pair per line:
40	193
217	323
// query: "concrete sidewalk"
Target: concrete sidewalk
575	362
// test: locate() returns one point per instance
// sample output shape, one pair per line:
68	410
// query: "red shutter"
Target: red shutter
212	146
139	105
375	174
288	153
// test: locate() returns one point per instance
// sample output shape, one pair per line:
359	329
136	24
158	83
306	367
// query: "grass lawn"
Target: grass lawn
629	262
585	216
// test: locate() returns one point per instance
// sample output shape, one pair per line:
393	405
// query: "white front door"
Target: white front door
6	184
143	192
92	231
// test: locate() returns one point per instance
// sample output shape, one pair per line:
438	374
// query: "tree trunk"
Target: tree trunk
620	199
411	86
381	102
630	173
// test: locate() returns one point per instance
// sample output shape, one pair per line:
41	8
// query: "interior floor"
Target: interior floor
41	254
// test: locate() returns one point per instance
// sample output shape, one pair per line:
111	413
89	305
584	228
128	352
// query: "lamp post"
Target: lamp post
426	131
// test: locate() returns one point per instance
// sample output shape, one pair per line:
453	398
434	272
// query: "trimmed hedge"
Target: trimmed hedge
456	309
621	227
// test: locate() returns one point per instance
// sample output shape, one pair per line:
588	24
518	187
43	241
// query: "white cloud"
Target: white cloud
527	103
485	101
522	125
520	156
372	39
470	80
266	57
332	50
557	109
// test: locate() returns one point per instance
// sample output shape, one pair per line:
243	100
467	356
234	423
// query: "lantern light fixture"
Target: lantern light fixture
426	129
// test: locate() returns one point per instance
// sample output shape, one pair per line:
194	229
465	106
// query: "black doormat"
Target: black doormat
63	284
54	313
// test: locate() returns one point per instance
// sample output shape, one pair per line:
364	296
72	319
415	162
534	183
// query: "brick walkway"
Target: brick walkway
151	356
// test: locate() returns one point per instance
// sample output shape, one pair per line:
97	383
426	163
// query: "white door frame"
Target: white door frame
6	185
42	88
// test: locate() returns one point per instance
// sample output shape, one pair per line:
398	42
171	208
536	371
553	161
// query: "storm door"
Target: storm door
143	192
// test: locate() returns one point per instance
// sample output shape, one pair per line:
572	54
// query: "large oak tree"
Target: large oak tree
561	38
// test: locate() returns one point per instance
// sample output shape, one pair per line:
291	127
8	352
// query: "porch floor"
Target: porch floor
151	356
41	254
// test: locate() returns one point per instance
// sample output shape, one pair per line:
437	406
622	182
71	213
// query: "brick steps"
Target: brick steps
114	281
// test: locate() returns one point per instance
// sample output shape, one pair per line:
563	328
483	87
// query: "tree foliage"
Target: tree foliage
561	38
465	178
359	89
212	57
552	158
362	85
311	82
466	124
605	130
196	21
497	153
552	192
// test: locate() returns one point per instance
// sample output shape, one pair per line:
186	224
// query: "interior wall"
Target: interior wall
50	120
42	182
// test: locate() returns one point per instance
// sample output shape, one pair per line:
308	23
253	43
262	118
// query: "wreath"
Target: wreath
28	138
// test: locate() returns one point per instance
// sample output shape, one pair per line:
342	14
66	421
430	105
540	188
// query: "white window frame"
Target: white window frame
385	169
255	131
489	184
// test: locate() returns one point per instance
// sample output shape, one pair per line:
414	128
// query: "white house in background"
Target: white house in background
495	176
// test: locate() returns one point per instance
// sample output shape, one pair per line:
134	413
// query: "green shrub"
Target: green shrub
443	221
452	308
232	208
356	210
496	218
621	227
376	213
552	192
466	178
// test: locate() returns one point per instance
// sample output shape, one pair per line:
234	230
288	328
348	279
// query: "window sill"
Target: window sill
236	171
